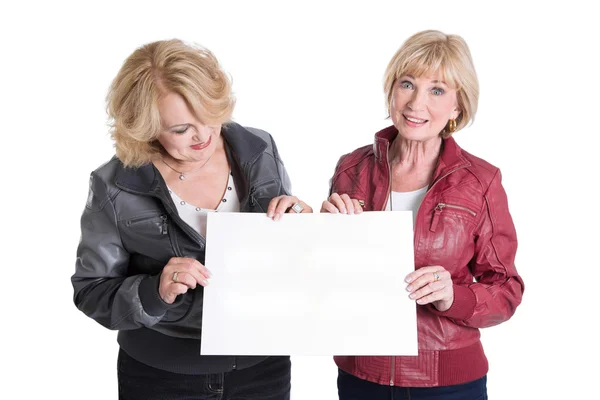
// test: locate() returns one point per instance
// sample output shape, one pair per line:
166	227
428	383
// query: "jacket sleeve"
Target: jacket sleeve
335	184
102	289
498	288
285	179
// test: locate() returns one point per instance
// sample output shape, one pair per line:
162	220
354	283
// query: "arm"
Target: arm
283	175
102	288
499	288
338	200
284	201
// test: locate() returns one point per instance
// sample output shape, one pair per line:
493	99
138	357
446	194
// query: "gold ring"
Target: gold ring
175	276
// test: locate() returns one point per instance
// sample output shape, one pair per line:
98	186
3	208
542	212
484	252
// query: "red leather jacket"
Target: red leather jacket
464	225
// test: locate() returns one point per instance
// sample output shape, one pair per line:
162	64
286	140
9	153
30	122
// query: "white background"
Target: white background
311	75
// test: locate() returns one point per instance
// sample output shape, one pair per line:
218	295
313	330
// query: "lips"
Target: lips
414	122
202	146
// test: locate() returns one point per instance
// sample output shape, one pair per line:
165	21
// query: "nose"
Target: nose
202	133
417	100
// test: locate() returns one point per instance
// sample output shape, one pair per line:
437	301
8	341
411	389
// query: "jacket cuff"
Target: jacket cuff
152	303
463	305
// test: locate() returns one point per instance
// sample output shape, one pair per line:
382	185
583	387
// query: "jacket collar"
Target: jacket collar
241	145
451	157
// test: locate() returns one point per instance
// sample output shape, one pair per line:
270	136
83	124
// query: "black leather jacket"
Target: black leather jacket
130	229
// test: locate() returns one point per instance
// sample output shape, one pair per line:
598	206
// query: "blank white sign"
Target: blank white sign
309	284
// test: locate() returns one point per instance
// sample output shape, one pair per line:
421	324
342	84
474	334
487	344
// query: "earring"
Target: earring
451	125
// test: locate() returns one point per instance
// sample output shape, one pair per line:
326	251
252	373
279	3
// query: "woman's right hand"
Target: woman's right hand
342	204
179	275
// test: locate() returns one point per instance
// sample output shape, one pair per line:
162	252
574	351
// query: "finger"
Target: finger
337	201
357	208
200	273
272	206
431	298
196	274
188	264
348	203
201	267
303	207
423	271
306	209
170	294
426	290
427	279
328	207
284	204
184	278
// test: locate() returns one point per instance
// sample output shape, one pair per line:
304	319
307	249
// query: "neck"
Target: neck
410	153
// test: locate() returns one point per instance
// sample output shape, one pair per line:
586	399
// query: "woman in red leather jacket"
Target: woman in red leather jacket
464	238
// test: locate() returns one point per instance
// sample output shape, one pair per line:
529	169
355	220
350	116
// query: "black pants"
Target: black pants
352	388
268	380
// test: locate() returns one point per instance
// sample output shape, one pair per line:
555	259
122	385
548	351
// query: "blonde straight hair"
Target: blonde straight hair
429	52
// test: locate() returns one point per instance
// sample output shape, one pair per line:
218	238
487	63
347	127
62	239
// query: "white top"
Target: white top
406	201
196	217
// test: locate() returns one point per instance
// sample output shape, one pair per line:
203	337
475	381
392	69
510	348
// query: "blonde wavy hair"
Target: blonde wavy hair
152	71
429	52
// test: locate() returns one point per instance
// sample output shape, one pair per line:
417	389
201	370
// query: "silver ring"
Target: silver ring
175	276
297	207
436	277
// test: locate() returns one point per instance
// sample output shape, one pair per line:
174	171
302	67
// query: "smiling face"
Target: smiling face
421	106
184	137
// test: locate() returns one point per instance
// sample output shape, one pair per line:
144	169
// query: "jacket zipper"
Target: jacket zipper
393	371
387	197
393	368
251	195
164	227
438	211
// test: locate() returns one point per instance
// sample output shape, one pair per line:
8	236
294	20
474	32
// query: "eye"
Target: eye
406	85
437	91
181	130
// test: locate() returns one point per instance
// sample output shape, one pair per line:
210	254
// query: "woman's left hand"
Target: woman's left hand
433	285
282	204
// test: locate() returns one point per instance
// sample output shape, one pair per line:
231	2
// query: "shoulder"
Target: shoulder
354	158
483	170
108	170
102	179
248	141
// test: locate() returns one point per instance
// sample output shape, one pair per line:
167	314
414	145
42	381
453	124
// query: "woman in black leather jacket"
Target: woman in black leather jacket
139	264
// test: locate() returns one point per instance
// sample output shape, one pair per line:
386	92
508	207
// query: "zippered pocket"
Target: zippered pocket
160	219
438	211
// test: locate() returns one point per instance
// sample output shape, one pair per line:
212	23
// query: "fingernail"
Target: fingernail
409	289
204	282
412	295
408	279
270	214
209	273
343	211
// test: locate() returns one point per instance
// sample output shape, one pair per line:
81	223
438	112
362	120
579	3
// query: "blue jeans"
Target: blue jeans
268	380
353	388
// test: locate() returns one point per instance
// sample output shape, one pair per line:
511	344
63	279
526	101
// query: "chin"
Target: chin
415	135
